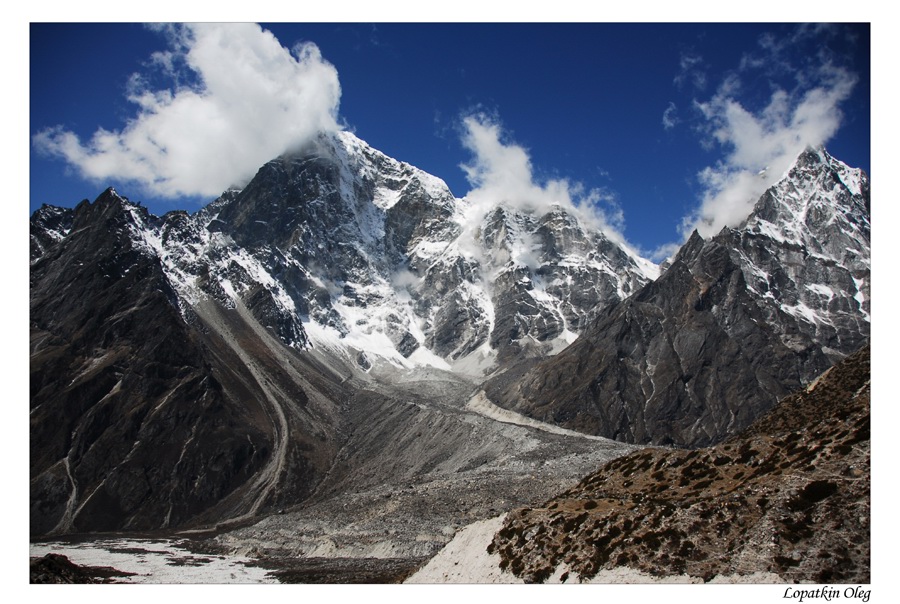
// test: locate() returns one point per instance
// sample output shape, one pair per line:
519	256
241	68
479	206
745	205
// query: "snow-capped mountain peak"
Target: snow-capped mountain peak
806	247
338	246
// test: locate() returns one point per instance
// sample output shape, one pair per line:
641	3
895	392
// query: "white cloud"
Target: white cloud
501	173
670	116
690	71
253	101
759	137
760	147
664	252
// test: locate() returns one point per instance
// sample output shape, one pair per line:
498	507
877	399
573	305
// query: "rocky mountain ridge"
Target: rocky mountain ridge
142	420
339	244
733	324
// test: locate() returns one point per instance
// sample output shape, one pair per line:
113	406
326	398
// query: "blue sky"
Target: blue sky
655	124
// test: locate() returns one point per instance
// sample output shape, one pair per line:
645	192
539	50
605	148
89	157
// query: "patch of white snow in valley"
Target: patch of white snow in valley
568	336
366	336
477	363
562	341
156	561
423	356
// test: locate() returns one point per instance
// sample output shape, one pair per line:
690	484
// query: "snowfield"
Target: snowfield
164	561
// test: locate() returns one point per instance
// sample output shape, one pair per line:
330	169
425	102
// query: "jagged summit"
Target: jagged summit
192	368
339	247
734	322
806	248
814	193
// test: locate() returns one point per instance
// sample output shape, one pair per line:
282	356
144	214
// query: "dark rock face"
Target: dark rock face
49	225
691	346
733	324
362	248
354	235
545	274
806	249
138	421
789	496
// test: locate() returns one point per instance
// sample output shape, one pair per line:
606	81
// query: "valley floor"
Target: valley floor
155	561
424	460
420	468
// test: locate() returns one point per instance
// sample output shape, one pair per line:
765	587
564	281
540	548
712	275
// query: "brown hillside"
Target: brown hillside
790	495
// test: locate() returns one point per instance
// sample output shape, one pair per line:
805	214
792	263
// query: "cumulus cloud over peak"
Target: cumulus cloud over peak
249	99
501	174
497	169
760	145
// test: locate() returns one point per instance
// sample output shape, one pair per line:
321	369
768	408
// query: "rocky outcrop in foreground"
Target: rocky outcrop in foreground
790	496
55	568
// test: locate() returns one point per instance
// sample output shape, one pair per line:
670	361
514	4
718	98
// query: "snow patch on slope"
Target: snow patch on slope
465	559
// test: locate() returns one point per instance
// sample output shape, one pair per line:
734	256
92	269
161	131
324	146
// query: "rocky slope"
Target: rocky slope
789	496
733	324
142	420
421	460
